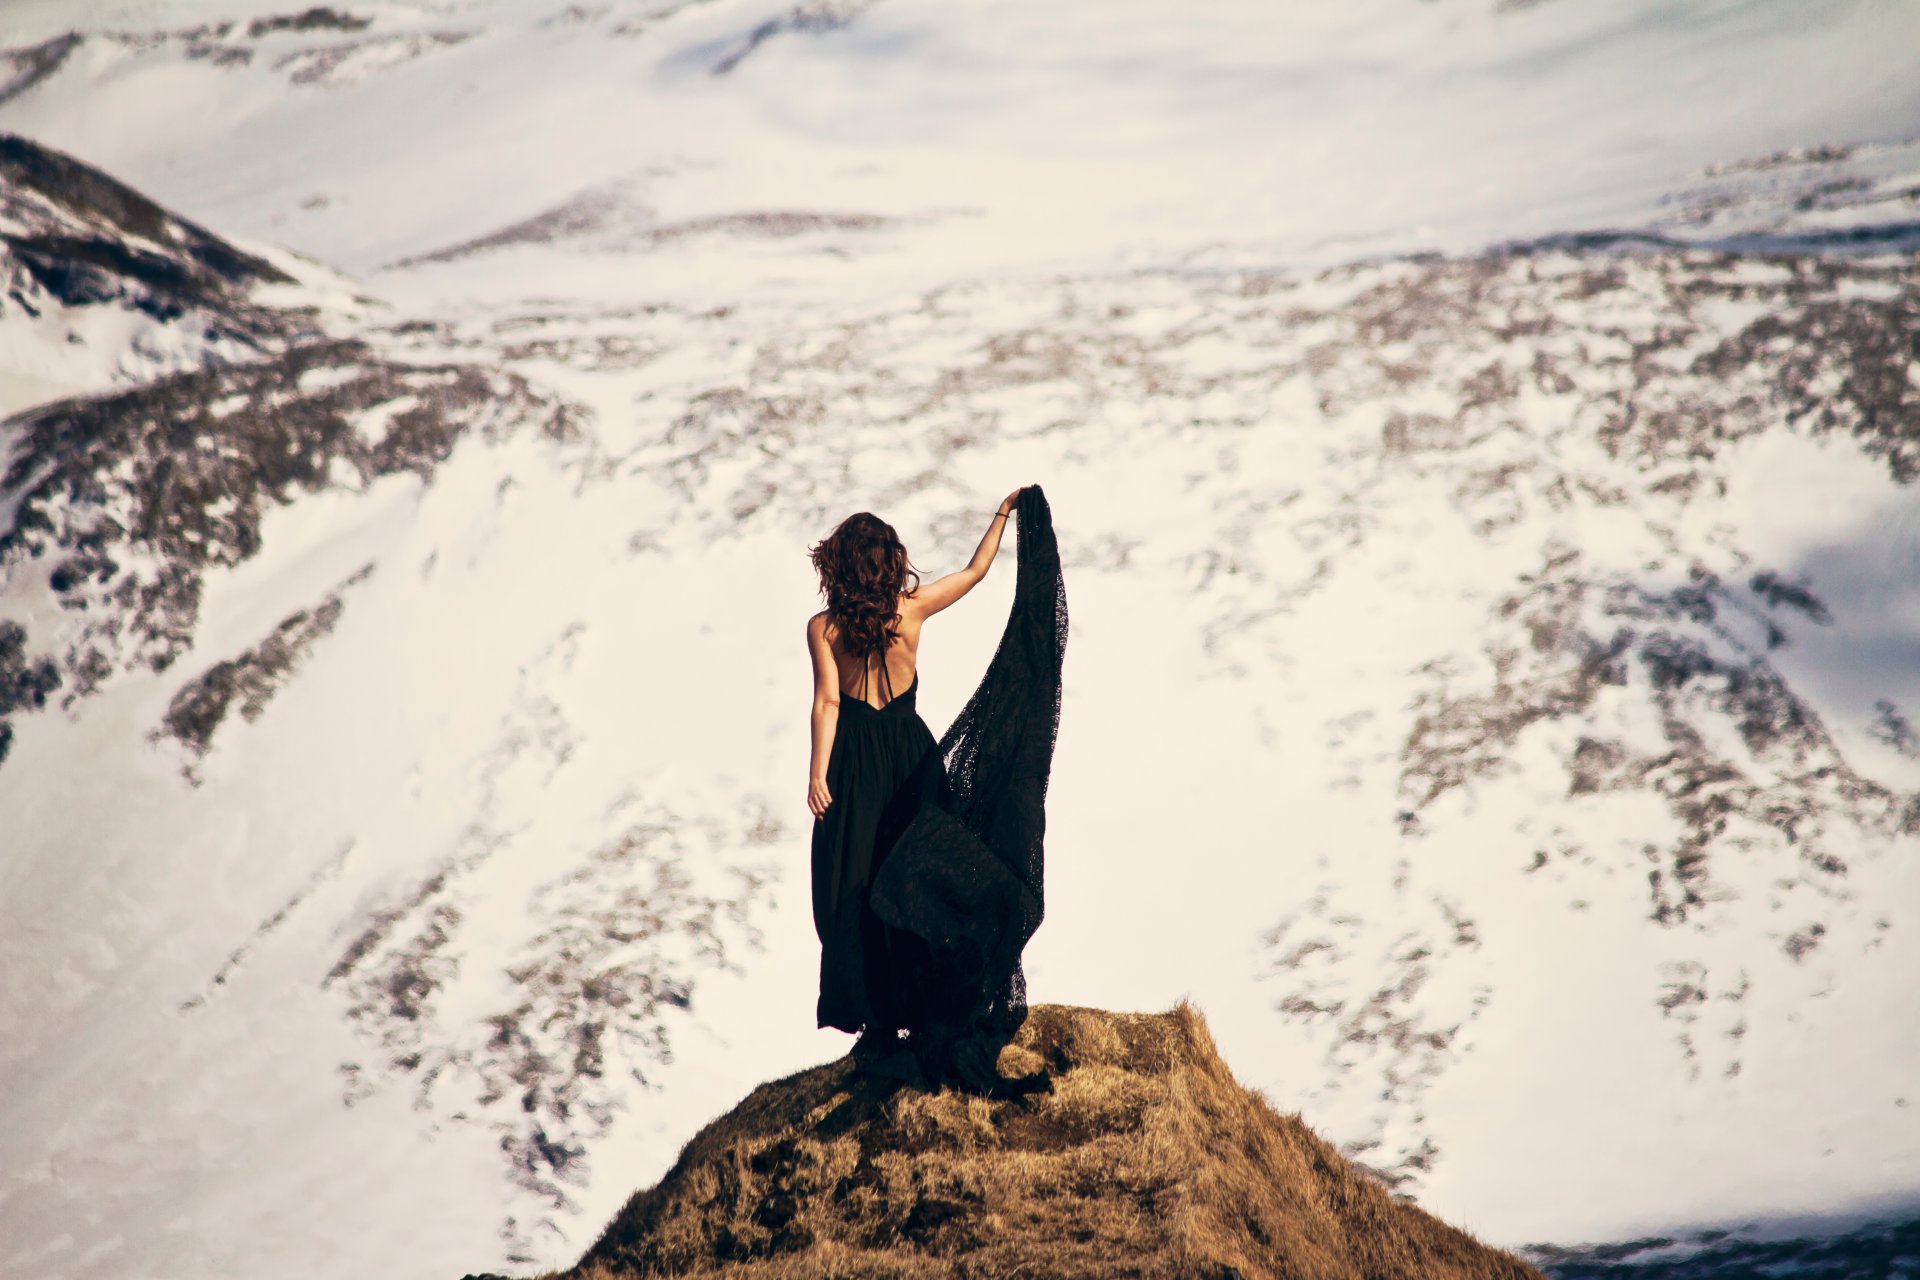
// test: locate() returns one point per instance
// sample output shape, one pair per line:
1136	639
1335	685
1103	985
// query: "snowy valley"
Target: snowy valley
1483	440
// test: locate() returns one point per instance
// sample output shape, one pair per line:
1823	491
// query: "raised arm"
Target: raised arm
934	596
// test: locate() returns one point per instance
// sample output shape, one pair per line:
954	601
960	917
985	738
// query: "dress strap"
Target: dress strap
886	677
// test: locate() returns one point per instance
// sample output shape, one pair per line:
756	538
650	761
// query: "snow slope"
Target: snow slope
403	798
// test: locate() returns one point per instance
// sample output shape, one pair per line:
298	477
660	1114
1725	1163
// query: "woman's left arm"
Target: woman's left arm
826	713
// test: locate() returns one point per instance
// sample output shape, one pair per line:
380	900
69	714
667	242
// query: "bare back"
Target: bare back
864	680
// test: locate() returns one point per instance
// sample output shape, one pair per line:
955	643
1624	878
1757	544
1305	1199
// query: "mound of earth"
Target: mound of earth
1147	1159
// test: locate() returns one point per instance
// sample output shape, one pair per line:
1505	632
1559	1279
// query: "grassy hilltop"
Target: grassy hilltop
1149	1159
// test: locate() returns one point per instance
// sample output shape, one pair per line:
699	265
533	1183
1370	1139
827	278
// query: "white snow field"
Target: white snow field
1483	439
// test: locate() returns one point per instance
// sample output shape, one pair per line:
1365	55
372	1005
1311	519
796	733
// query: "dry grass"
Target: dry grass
1148	1160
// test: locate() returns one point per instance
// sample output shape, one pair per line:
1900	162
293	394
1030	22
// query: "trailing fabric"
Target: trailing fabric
962	889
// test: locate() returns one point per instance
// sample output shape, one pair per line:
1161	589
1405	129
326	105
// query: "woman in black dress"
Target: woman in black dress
922	957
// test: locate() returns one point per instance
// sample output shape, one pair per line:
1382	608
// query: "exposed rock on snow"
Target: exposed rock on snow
80	237
129	499
251	678
98	284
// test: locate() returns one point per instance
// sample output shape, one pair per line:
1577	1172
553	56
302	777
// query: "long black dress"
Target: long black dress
876	752
922	923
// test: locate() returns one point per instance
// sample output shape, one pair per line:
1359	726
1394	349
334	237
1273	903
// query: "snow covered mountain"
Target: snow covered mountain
1483	441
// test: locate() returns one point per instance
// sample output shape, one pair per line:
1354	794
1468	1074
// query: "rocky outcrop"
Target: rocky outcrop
71	236
1147	1159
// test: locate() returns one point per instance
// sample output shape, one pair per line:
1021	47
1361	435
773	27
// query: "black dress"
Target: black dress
928	884
876	753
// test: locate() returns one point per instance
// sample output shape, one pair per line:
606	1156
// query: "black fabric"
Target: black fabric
876	755
960	890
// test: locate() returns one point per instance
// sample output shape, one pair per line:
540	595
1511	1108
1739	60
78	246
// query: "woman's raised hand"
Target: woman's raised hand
1015	496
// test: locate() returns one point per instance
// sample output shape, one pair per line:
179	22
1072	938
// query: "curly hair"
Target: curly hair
863	571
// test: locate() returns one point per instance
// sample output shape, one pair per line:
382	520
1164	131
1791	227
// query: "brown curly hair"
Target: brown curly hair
863	571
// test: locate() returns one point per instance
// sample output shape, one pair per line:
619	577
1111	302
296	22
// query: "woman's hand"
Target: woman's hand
817	797
1015	497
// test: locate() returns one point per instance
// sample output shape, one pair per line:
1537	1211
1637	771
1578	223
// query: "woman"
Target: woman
931	947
